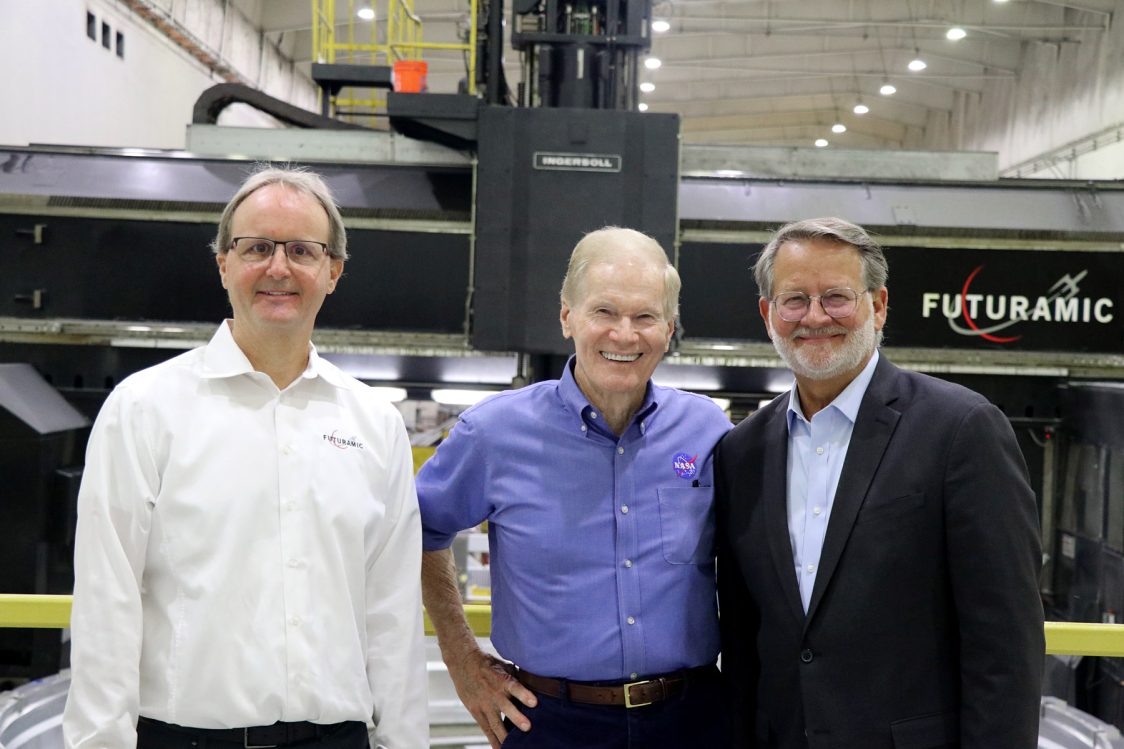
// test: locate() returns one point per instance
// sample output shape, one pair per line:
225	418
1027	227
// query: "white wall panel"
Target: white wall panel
1065	92
60	87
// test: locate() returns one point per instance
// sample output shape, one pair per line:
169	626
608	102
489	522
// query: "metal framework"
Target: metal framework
403	42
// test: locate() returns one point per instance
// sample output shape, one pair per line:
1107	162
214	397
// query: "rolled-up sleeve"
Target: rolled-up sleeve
452	487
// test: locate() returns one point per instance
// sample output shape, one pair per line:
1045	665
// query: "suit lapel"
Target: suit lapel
775	471
874	427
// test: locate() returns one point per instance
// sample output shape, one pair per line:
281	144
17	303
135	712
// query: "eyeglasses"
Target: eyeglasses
258	250
792	306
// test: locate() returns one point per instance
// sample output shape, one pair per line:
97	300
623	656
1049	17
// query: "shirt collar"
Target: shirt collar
847	402
222	357
576	401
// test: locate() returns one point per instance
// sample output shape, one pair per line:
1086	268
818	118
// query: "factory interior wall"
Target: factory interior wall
71	90
1069	91
64	88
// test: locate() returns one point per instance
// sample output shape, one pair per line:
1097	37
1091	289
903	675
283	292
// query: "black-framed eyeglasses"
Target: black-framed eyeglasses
792	306
257	250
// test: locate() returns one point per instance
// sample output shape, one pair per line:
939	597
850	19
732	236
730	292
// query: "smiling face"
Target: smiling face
619	330
820	348
277	296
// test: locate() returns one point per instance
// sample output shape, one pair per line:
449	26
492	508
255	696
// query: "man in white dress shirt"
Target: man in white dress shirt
248	547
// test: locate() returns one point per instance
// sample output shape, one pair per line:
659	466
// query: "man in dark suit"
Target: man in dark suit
878	538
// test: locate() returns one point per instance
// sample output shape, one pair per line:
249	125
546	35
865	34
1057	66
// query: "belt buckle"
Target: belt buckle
628	703
247	745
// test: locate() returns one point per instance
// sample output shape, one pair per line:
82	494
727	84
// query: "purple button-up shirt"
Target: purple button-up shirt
602	548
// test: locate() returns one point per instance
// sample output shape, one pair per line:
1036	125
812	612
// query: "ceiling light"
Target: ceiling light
917	64
723	403
647	87
861	108
652	63
367	14
660	26
955	34
838	127
388	394
821	142
1000	1
888	89
459	397
642	107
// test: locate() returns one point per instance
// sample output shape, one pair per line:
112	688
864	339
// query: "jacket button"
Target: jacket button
806	655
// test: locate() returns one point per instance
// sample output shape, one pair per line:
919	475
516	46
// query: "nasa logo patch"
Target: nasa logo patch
684	465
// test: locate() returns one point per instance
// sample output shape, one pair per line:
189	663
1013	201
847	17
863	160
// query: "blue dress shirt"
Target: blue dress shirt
602	548
816	451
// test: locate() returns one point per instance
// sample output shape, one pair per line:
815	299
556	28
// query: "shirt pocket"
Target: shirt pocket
687	524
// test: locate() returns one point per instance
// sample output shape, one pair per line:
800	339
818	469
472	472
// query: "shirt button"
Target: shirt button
584	427
806	655
295	621
593	414
817	510
628	563
290	506
811	568
294	562
633	675
819	451
624	509
631	620
620	451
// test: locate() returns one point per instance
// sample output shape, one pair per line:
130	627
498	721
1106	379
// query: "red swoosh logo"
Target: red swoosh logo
970	321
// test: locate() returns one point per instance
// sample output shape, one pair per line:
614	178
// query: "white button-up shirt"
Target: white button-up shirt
246	555
816	451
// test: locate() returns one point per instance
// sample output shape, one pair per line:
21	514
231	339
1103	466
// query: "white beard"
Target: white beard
826	364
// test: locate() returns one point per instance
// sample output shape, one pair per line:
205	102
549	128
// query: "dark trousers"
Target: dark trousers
155	735
694	718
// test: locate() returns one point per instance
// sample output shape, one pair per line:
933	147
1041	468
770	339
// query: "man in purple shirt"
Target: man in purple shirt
598	495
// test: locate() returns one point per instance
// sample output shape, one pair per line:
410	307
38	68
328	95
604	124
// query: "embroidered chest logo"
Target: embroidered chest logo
684	465
342	443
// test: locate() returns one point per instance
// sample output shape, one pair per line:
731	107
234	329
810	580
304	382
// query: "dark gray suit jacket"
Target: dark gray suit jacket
925	623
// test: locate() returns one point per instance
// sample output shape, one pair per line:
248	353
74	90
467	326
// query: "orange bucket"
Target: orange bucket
409	76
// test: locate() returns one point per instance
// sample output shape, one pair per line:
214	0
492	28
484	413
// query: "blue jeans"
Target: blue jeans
693	718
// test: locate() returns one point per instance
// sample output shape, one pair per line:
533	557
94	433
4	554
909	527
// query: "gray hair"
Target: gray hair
295	178
610	243
875	268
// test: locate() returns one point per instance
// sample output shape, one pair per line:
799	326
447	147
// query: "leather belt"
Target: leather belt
256	737
630	694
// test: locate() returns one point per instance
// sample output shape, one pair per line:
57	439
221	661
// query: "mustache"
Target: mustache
813	332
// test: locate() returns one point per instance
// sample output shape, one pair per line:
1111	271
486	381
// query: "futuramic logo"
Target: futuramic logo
342	443
984	315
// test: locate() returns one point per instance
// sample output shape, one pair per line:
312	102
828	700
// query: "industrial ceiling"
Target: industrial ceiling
785	72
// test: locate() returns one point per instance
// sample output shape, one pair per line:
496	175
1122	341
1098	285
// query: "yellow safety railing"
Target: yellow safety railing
403	42
34	612
1072	638
22	611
